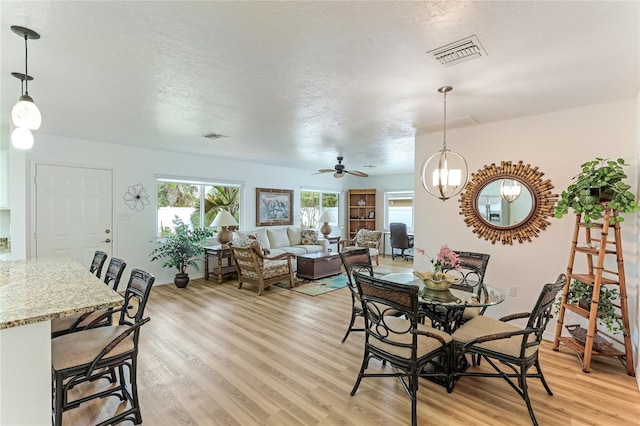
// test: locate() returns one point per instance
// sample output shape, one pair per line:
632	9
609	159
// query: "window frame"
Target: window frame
320	191
202	183
388	194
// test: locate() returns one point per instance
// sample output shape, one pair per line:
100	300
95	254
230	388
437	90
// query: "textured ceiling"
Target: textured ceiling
297	83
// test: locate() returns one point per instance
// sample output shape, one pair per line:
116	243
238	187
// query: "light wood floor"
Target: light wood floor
216	355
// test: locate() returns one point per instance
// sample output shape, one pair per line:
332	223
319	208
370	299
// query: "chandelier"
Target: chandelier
445	173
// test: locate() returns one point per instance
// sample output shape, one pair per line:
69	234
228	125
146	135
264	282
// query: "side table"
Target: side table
222	262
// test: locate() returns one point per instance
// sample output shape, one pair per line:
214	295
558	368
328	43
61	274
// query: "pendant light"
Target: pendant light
25	114
445	173
510	190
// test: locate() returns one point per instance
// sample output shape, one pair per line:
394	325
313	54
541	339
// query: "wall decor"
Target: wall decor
493	217
274	207
136	197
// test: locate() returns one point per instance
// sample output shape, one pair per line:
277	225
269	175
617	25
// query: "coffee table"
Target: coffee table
314	266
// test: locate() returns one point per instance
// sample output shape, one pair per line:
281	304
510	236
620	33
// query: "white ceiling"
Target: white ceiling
297	83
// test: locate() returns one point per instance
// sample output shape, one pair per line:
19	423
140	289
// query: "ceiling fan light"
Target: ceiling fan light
26	114
22	138
338	175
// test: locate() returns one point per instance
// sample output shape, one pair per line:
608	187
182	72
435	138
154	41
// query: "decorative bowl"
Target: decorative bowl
443	283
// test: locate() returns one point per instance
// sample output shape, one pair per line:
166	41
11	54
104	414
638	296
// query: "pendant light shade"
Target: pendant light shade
510	190
22	138
445	173
25	114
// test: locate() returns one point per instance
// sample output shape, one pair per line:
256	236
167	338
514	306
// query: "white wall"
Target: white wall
132	238
558	143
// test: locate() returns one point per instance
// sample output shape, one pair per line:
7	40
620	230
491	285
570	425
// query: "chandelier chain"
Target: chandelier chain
444	123
26	69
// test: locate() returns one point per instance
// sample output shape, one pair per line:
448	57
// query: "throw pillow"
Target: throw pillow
295	236
278	237
309	237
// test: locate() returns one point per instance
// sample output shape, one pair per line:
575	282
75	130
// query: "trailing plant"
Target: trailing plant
607	313
603	176
182	247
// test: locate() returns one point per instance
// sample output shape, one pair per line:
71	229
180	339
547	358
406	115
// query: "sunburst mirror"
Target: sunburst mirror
509	202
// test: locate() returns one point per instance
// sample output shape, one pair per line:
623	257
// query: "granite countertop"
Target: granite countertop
42	289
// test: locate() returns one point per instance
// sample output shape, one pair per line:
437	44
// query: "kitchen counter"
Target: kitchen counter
32	292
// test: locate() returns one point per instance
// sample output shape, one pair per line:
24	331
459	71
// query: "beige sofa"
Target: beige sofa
284	240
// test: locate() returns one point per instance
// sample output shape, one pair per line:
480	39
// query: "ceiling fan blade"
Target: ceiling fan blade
324	171
357	173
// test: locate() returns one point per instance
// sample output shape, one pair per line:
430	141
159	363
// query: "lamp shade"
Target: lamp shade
22	138
26	114
326	216
224	218
510	190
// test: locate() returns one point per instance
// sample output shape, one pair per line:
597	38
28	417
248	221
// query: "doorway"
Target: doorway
74	215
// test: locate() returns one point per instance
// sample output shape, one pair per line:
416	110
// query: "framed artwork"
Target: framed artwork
274	207
372	215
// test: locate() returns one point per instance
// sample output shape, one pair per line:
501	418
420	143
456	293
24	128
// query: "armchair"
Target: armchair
364	238
257	268
501	343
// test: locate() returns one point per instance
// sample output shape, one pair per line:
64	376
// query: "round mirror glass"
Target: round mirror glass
504	203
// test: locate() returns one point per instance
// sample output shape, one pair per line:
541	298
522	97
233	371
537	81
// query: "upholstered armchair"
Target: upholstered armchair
257	268
364	238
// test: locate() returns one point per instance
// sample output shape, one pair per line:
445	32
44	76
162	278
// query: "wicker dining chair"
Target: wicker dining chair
402	341
355	260
500	343
72	323
99	352
99	257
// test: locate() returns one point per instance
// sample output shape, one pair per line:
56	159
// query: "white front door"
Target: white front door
73	212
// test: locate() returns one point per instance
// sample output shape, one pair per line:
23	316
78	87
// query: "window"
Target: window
398	208
183	198
313	203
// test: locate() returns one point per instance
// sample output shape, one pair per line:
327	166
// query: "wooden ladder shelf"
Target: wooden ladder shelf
597	251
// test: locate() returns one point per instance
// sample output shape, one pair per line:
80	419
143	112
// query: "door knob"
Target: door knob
107	240
106	231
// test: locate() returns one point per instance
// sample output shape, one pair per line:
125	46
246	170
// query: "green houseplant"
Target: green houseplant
582	293
181	249
600	180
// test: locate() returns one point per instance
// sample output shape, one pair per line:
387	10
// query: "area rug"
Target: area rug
323	285
316	287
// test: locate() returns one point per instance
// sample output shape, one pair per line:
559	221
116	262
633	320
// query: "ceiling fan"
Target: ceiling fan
339	170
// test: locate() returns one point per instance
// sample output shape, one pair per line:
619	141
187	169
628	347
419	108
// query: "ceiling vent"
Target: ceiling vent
459	51
215	136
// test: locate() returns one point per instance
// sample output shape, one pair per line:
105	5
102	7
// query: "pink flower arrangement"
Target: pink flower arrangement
445	258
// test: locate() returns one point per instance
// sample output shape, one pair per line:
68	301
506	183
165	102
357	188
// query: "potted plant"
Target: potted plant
582	294
181	248
600	181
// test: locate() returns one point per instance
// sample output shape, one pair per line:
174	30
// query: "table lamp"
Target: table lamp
224	219
326	217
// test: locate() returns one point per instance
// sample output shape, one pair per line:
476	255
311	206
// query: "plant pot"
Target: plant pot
181	280
585	304
600	195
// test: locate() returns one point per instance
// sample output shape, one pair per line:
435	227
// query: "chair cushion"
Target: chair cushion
278	237
81	348
367	238
275	268
483	325
426	344
295	236
309	237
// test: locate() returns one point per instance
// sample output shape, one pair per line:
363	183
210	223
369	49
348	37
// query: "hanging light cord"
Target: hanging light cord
26	69
444	123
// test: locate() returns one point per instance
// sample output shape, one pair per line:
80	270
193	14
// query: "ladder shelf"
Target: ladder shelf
598	249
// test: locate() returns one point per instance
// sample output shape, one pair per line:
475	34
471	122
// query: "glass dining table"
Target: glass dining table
450	303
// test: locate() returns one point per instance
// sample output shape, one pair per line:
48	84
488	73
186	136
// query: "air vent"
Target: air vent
459	51
215	136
